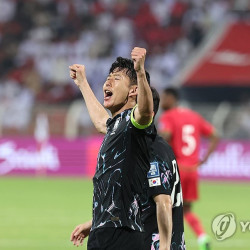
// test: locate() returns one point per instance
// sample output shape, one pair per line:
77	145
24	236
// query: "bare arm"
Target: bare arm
97	112
144	112
213	142
164	219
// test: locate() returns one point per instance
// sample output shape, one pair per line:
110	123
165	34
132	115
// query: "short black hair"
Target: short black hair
172	91
122	63
156	99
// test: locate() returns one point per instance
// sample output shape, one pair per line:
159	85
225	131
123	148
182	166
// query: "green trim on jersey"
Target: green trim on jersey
135	123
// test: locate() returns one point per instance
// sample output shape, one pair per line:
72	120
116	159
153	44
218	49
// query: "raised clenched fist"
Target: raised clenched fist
77	73
138	55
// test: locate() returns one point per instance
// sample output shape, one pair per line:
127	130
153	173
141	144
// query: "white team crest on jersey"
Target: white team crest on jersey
154	182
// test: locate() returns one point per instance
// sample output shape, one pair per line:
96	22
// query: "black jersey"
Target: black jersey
163	178
123	163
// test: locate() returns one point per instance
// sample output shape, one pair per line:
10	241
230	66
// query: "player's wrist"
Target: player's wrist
140	71
82	83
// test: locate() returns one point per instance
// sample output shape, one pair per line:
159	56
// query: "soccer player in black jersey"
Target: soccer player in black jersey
162	202
162	195
123	159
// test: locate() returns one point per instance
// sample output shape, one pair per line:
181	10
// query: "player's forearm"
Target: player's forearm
144	98
89	224
97	112
164	220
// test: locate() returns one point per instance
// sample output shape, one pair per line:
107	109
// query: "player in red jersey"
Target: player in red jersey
183	129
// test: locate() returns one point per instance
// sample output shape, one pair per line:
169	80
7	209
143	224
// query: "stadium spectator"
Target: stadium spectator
16	103
183	129
123	159
57	33
46	31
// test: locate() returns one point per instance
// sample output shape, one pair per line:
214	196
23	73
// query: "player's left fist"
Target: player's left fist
138	56
77	73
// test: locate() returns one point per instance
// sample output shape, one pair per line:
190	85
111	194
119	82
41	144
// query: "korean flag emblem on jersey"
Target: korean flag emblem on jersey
154	182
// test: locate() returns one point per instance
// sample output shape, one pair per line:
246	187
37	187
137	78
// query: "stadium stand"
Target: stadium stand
40	38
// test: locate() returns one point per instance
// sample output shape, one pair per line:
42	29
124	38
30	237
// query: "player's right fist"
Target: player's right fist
77	73
138	56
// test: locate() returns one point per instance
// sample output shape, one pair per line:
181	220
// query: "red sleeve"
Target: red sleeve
165	123
206	128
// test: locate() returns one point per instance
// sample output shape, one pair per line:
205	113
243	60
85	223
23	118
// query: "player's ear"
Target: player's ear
133	90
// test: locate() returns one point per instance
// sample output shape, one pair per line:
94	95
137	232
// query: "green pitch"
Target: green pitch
39	214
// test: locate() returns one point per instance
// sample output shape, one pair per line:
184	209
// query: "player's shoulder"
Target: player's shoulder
162	148
159	141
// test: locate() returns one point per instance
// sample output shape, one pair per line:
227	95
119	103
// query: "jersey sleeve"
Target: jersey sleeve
165	123
159	179
206	128
136	124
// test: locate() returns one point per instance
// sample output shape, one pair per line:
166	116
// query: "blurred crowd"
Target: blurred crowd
39	39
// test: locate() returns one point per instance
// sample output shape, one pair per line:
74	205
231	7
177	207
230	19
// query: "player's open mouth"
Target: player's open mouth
107	94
